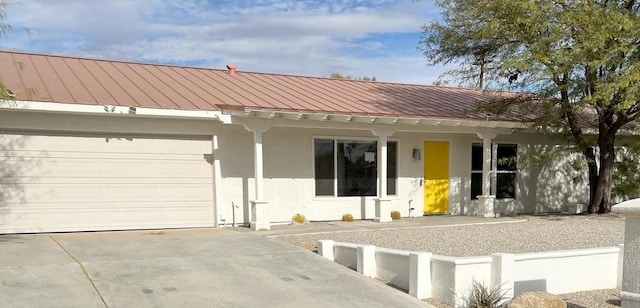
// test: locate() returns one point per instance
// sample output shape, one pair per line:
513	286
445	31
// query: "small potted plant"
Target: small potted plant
299	219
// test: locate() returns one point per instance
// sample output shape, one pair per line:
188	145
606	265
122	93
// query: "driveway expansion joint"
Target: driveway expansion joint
84	270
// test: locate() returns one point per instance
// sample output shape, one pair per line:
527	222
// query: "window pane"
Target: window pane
392	166
476	185
506	185
324	167
357	168
476	157
507	157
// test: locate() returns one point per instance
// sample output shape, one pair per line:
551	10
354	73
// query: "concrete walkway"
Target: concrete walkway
368	225
178	268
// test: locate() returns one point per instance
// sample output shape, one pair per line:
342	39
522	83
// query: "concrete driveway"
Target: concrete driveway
178	268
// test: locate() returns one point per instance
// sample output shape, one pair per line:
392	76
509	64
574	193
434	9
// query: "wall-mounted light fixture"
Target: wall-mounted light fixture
416	154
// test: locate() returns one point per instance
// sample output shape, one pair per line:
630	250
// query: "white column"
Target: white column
259	207
383	206
382	166
258	164
486	165
630	294
486	202
366	260
325	249
420	274
502	273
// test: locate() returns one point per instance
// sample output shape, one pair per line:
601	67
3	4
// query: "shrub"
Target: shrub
299	219
481	296
395	215
347	217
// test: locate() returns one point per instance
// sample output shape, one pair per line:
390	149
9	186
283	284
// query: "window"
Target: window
324	167
476	170
506	170
350	167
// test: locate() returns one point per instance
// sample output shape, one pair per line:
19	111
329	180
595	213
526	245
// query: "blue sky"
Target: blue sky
315	38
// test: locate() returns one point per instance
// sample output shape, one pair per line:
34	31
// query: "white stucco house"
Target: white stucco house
91	144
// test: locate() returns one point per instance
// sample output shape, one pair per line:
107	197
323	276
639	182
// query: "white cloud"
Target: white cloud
295	37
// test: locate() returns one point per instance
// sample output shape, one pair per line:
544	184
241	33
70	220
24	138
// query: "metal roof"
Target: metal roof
74	80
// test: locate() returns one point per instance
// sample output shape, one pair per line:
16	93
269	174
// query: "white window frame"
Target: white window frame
494	168
335	140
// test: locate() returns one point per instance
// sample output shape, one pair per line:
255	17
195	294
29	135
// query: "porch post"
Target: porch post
259	207
383	209
630	293
486	201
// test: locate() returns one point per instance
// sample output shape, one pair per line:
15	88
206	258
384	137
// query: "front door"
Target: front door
436	177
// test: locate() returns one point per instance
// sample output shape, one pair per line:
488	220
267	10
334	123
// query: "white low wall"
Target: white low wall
448	279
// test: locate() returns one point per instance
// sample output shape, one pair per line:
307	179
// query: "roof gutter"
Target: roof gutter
108	110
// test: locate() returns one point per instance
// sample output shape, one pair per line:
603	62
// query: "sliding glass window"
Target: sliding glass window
346	168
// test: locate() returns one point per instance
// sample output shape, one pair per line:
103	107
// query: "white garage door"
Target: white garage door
62	183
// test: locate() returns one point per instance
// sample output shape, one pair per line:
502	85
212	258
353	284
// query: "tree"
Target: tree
350	77
580	58
4	29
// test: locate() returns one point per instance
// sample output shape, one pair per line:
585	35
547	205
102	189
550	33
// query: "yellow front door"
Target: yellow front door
436	177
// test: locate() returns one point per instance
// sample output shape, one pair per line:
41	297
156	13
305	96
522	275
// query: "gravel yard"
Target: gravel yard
537	233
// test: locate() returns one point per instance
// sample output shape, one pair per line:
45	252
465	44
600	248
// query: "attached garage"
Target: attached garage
80	183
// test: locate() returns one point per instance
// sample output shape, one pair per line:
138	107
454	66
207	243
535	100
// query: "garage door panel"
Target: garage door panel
96	166
44	217
63	183
135	192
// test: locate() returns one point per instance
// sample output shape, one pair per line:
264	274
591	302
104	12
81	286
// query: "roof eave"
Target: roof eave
364	118
56	107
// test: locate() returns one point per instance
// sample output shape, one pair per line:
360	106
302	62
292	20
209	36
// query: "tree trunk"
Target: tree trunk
590	156
601	200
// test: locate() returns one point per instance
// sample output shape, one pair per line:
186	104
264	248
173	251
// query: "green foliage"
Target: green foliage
481	296
395	215
4	29
350	77
580	58
626	177
347	217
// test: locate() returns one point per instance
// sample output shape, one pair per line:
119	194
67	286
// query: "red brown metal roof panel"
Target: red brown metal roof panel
185	97
72	82
330	98
333	98
10	77
148	73
69	79
191	86
113	94
275	93
91	84
240	96
121	75
376	100
299	96
52	82
212	92
250	91
214	77
344	100
155	99
35	88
